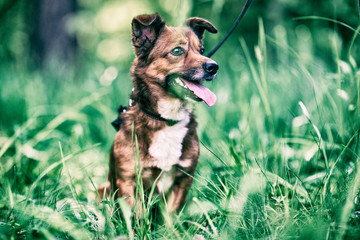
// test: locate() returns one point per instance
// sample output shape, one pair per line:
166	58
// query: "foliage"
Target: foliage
279	150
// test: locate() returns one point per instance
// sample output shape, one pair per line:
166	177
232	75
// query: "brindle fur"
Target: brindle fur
153	64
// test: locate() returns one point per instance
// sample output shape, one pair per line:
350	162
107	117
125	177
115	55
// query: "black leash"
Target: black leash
242	13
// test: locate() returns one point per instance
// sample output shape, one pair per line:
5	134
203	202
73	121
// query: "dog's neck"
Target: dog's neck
173	108
156	101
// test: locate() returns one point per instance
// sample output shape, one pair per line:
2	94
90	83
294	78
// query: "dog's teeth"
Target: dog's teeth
181	83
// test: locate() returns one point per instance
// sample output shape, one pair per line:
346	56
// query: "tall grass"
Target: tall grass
279	152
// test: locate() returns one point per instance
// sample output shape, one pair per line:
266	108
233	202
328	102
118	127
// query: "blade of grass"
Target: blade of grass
256	77
10	141
356	34
126	210
55	220
213	228
328	176
262	57
325	19
71	184
349	203
53	166
321	141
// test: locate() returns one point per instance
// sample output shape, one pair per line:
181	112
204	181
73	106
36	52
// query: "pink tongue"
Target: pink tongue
202	92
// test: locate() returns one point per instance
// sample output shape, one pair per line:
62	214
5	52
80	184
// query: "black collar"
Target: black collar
157	116
118	121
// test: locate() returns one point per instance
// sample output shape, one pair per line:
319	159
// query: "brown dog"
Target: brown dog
167	72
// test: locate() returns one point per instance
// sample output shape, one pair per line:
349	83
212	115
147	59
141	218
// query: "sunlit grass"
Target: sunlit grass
279	152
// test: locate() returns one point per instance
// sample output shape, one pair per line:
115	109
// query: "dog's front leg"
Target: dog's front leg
179	192
126	189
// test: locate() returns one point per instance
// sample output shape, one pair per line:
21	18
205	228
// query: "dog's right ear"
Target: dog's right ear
199	25
145	31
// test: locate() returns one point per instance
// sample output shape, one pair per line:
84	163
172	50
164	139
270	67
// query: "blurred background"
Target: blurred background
288	104
87	42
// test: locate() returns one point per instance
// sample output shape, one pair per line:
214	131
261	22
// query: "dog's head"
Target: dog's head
172	57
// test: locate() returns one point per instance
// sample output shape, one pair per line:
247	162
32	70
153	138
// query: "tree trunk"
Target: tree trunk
50	40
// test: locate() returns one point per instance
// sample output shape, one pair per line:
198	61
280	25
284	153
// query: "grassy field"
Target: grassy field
279	150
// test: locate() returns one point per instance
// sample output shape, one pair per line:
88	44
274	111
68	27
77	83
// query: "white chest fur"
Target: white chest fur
166	145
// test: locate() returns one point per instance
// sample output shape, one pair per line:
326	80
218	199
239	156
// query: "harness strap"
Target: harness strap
117	122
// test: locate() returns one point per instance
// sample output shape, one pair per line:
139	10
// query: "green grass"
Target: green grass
279	151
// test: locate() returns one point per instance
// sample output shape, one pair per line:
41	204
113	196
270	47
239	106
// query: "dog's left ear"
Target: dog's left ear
199	25
145	31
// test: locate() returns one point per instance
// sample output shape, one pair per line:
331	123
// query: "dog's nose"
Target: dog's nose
210	67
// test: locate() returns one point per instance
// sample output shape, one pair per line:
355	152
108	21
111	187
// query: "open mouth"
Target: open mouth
193	90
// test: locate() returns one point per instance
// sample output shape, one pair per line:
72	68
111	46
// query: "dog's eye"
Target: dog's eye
202	50
178	51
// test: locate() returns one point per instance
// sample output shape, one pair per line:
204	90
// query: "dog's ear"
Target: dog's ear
145	31
199	25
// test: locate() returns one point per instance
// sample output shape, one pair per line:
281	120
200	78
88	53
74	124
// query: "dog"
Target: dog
168	72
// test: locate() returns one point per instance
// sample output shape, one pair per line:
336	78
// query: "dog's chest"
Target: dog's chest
166	146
